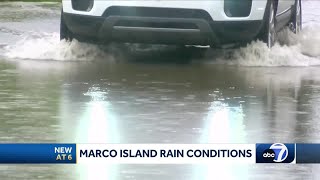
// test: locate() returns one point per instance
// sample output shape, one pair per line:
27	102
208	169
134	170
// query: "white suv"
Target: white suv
191	22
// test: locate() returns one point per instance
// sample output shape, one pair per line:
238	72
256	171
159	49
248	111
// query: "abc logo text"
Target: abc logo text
275	153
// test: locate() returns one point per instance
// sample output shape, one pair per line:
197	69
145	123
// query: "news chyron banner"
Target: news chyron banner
167	153
159	153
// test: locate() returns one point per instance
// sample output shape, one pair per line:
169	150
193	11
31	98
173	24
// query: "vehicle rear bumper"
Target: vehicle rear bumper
160	30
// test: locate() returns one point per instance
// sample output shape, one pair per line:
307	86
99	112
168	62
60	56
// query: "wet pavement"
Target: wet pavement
53	91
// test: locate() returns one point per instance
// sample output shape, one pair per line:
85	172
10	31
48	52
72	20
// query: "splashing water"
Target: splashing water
49	47
292	50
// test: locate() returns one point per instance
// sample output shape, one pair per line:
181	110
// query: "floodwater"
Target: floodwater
53	91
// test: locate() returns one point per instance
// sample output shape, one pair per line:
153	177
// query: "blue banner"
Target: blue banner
37	153
67	153
308	153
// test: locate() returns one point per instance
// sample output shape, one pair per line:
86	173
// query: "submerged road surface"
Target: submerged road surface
53	91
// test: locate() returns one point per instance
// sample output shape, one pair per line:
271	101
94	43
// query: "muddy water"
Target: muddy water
53	91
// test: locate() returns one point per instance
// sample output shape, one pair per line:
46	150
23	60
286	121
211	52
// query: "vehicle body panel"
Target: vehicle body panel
284	5
219	28
214	7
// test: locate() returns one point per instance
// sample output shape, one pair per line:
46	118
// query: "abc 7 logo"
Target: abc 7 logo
276	153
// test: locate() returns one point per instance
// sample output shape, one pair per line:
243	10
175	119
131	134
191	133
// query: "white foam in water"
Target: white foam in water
49	47
298	50
293	50
310	42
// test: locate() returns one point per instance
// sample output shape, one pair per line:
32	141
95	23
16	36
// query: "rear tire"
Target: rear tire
269	35
296	19
65	33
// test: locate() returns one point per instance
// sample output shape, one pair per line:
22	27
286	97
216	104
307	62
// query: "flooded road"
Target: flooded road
53	91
